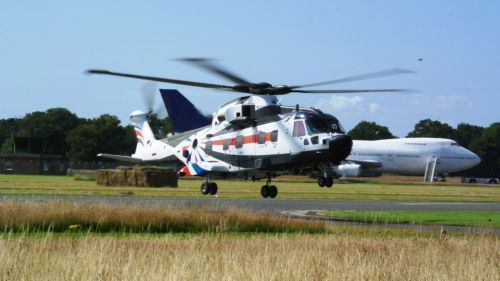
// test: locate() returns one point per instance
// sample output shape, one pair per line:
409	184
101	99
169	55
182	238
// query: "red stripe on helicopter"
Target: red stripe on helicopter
246	139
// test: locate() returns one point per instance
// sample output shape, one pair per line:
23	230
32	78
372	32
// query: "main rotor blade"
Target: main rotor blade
371	75
160	79
208	65
350	91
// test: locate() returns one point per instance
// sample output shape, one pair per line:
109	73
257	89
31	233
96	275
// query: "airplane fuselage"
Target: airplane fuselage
411	155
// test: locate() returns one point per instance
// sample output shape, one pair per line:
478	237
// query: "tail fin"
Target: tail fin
182	113
148	149
142	131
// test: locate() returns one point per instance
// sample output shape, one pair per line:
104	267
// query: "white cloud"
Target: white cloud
347	104
438	104
373	107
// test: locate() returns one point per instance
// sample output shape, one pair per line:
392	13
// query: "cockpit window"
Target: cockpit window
335	125
316	125
320	123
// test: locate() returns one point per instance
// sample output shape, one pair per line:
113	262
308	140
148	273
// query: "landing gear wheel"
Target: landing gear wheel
273	191
204	188
321	181
264	191
212	188
472	181
328	182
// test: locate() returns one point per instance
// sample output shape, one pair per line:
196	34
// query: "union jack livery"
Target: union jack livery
253	136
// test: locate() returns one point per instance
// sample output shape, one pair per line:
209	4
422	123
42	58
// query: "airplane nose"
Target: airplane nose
340	148
477	159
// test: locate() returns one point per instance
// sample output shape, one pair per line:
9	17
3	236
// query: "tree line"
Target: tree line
62	132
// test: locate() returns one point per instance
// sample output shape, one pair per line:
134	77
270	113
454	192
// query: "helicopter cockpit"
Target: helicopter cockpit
316	124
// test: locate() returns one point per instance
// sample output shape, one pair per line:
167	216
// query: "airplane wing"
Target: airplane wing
132	159
366	164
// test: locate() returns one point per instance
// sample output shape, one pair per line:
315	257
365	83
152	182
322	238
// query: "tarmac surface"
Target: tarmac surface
302	208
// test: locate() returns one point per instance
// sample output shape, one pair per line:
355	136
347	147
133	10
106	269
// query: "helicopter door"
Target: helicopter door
299	132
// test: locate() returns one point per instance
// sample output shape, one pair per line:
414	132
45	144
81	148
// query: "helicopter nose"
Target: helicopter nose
340	148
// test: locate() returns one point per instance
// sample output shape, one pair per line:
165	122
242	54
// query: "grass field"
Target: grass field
461	218
60	240
254	257
289	188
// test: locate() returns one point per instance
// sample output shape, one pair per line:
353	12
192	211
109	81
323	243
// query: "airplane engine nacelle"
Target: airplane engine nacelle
347	170
240	113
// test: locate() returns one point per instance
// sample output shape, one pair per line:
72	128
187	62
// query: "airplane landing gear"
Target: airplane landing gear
325	179
269	190
208	187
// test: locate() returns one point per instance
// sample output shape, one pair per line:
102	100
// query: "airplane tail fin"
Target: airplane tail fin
182	113
148	149
143	133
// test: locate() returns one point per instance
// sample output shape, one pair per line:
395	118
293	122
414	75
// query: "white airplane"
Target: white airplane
417	156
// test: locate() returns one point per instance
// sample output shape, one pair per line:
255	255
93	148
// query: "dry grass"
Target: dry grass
236	257
64	216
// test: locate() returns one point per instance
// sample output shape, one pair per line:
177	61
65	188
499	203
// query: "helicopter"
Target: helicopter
252	136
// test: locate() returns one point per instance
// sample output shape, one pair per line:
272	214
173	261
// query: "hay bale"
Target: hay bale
102	177
131	178
144	176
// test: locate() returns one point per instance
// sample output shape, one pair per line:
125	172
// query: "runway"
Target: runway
268	205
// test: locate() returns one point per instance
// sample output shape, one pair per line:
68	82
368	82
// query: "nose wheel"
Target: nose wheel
325	181
325	178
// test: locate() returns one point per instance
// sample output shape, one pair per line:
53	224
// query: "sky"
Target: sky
46	46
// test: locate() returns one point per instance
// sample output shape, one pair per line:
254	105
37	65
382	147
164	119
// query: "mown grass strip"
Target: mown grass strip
299	188
459	218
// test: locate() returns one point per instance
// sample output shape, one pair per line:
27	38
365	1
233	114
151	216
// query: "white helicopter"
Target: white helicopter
251	136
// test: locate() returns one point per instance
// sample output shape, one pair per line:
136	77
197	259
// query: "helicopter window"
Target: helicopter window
208	148
316	125
274	136
225	144
298	129
334	124
239	141
315	140
262	138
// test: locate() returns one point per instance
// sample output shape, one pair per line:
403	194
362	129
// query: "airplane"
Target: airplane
410	156
252	136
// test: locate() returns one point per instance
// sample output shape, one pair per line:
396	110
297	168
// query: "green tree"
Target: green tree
52	125
466	134
102	134
488	148
370	131
432	129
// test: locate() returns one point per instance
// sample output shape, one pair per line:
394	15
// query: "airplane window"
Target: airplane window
225	144
298	129
239	141
262	138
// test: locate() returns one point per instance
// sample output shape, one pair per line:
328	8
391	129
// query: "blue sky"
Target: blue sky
45	46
